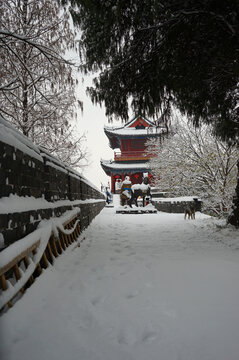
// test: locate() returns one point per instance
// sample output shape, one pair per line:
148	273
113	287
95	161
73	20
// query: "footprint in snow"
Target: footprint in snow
128	247
132	294
149	336
115	244
113	258
96	300
131	253
118	251
126	338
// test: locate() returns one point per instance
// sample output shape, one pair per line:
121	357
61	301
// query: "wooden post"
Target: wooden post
55	252
16	271
39	269
68	236
78	229
50	251
4	287
57	241
66	239
61	237
3	282
72	234
72	225
18	276
44	259
26	263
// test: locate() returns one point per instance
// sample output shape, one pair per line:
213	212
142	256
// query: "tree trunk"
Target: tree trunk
25	126
233	218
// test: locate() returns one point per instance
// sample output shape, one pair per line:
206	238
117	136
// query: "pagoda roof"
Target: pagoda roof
139	127
111	167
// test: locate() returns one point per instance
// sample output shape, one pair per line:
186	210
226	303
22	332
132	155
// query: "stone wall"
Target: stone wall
175	206
28	172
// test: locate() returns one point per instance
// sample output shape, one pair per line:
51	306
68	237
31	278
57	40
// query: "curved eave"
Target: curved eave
116	135
116	168
138	136
113	139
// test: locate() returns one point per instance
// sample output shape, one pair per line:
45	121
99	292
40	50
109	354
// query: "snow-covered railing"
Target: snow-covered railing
132	155
21	262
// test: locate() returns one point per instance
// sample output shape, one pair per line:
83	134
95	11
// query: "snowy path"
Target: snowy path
140	287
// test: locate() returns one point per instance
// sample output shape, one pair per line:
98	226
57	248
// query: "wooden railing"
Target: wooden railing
20	271
131	155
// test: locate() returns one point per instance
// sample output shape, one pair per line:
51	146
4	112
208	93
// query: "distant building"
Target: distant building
130	159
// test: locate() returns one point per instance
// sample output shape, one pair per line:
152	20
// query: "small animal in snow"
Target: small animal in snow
189	212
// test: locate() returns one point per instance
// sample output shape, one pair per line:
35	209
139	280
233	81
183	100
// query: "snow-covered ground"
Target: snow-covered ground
140	287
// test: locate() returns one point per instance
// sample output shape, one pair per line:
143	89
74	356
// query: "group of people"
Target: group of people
125	192
130	193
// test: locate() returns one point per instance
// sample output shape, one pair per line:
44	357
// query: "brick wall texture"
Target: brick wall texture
41	175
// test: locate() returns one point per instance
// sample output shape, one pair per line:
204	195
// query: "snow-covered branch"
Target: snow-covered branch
193	161
38	85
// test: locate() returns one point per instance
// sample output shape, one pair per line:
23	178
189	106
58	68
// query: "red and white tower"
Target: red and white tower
130	158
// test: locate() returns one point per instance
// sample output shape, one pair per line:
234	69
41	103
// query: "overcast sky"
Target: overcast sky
92	122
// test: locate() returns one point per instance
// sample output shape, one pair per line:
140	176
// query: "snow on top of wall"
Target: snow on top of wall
51	158
15	203
9	135
60	168
177	199
74	173
65	168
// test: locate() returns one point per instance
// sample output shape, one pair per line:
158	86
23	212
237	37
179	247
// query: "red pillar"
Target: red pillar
112	184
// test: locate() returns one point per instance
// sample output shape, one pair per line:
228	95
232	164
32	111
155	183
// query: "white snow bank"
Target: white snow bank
127	208
15	203
139	287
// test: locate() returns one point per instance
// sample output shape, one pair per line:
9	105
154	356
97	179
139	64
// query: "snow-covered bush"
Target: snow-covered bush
193	161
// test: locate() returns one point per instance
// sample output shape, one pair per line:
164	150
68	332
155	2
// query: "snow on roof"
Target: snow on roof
113	165
152	131
129	123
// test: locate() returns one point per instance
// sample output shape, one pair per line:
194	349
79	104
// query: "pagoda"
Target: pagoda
130	159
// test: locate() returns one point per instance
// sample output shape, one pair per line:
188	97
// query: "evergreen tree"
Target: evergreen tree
151	53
